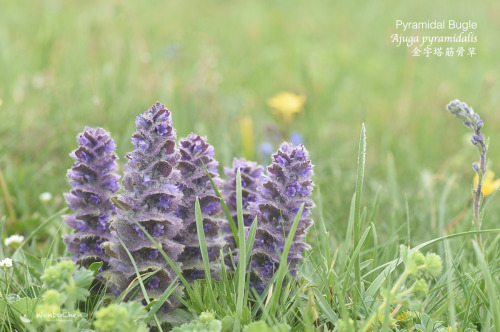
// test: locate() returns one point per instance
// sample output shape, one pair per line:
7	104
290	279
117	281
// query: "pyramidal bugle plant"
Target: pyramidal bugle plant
285	188
151	199
195	183
162	182
93	182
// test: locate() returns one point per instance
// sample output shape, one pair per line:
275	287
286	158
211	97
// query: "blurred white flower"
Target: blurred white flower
6	263
16	239
45	197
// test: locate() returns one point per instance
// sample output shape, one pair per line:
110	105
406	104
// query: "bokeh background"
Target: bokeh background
65	65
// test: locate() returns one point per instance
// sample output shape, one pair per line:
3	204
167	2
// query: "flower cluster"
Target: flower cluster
14	240
287	186
419	270
93	181
66	286
7	262
120	317
194	183
206	322
150	199
251	179
470	119
418	265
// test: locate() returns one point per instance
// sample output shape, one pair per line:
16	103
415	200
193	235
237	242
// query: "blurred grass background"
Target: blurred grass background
68	64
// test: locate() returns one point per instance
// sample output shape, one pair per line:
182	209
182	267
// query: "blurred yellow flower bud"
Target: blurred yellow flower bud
246	129
490	185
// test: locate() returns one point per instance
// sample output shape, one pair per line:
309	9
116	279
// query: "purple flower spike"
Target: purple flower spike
194	182
287	186
93	182
472	121
151	200
251	177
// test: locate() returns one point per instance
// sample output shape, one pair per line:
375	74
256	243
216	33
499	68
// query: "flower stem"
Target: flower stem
477	197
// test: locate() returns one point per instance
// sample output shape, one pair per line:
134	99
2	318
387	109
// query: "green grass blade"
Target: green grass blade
174	267
2	224
357	208
224	207
375	244
390	266
350	226
42	225
354	255
204	253
241	270
375	207
171	288
139	278
251	237
490	286
283	267
324	232
325	307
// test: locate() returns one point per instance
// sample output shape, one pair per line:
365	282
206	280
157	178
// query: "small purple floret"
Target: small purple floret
147	180
98	248
84	157
161	129
154	282
164	201
154	254
139	231
94	199
158	230
84	247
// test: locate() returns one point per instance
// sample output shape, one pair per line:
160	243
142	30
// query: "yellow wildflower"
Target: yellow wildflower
381	322
490	185
286	105
246	129
402	317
